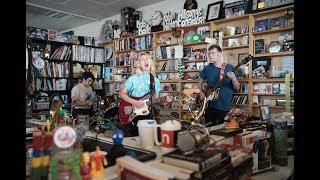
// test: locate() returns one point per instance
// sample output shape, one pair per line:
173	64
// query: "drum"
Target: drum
109	106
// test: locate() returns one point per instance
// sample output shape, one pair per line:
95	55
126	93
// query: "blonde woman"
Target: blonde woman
138	85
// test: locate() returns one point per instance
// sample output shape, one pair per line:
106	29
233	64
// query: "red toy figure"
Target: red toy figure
85	167
97	161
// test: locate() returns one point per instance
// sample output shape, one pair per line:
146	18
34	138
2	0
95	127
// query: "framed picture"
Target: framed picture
265	113
52	34
259	46
261	25
214	11
278	22
263	63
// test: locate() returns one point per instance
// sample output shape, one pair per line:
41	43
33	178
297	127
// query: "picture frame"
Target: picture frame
259	46
265	113
277	22
261	25
214	11
52	35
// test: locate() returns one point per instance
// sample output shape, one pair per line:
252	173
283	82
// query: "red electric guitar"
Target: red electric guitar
127	112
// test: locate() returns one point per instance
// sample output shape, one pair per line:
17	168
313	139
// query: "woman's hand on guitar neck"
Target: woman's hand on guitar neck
138	104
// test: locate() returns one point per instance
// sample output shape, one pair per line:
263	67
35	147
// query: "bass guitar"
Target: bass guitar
212	93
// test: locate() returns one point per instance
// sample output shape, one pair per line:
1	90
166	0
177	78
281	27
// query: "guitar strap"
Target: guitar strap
152	91
223	66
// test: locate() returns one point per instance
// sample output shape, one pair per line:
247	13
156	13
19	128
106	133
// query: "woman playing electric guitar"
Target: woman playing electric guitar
213	73
136	87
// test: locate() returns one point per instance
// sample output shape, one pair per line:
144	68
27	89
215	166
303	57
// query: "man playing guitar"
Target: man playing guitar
213	73
137	86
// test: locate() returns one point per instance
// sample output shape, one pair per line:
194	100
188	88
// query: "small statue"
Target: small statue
85	167
117	150
97	162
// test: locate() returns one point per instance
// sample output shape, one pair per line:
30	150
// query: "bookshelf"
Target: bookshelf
270	85
54	77
88	58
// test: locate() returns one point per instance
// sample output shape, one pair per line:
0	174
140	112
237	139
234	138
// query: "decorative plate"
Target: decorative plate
64	137
38	63
106	30
274	47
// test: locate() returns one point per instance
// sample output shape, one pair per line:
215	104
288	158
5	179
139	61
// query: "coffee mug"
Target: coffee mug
146	129
169	133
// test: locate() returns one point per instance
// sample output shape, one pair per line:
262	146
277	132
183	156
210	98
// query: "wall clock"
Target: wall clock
106	30
156	18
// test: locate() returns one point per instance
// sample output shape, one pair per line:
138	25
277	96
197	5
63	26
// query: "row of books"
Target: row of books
53	69
123	60
237	100
270	102
122	45
194	54
87	54
144	42
51	84
244	88
163	52
63	53
268	88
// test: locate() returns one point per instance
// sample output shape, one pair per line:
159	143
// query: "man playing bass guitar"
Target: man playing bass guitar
213	73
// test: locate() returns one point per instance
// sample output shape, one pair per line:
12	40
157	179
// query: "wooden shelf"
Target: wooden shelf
190	81
240	105
240	93
122	73
98	47
170	81
167	59
171	44
273	31
53	91
51	42
270	94
167	71
143	50
283	53
231	19
191	70
124	66
125	51
137	36
93	63
274	107
273	11
195	44
56	60
194	61
235	47
235	36
243	80
169	91
270	80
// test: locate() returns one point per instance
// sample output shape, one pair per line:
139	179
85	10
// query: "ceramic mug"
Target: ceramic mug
169	133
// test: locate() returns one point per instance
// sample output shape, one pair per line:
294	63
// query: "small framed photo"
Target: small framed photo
214	11
52	35
261	25
259	46
265	113
278	22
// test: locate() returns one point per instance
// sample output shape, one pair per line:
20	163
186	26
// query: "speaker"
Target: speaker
192	140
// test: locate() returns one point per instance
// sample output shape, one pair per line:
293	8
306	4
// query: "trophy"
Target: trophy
197	136
191	99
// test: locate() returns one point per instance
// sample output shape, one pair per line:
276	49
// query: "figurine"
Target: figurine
117	150
97	162
85	167
117	136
